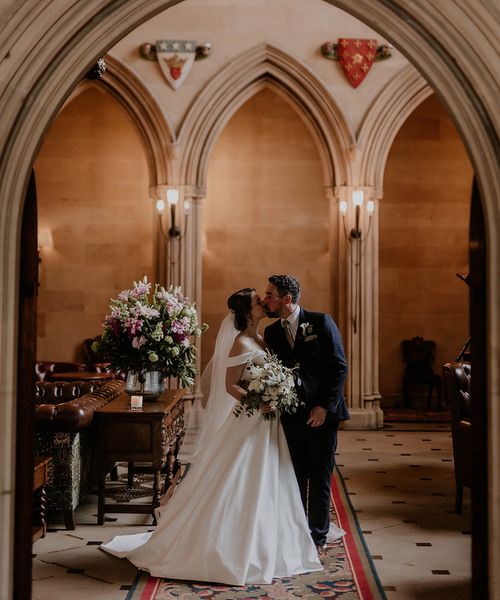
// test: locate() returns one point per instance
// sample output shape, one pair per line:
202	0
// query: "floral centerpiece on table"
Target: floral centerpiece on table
270	387
147	332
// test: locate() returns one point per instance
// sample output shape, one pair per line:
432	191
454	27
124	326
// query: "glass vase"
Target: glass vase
133	383
153	384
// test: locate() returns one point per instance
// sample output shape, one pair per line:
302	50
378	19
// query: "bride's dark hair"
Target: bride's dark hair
240	304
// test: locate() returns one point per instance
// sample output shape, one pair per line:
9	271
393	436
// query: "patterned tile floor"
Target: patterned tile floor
400	482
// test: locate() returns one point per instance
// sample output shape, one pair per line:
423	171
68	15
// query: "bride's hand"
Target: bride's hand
267	408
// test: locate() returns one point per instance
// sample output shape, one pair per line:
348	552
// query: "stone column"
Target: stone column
192	272
370	307
356	293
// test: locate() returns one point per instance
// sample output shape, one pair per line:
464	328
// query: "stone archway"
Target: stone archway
43	58
400	98
264	66
270	66
152	122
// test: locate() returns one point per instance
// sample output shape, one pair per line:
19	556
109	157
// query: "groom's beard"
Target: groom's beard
272	314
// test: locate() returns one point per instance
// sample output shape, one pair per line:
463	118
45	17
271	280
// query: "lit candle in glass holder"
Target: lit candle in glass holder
136	402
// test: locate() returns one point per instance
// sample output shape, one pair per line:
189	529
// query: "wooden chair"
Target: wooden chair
419	355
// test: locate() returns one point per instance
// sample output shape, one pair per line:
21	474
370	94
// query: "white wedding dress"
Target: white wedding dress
236	517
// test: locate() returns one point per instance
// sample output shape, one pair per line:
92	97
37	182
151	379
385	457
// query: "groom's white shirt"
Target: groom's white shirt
293	319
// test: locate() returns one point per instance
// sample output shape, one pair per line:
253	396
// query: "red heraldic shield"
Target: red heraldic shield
356	57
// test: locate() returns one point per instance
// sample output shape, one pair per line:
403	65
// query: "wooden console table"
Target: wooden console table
40	478
150	435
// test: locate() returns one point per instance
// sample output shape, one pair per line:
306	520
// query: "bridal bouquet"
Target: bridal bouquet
270	385
151	334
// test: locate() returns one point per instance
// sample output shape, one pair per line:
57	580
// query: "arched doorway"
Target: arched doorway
37	81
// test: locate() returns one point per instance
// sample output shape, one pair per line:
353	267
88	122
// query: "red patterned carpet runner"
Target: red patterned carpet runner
349	573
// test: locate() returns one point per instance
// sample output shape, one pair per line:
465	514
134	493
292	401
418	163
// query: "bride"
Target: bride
236	517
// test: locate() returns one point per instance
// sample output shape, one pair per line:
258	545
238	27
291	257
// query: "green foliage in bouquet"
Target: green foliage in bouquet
143	334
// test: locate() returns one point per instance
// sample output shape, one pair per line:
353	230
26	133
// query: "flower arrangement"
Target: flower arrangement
151	335
271	386
306	328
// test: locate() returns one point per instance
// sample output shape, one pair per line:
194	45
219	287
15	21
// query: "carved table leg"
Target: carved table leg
69	519
169	477
130	475
156	491
101	496
43	508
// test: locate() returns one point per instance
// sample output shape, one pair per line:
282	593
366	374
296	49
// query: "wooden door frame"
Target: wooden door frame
28	290
479	398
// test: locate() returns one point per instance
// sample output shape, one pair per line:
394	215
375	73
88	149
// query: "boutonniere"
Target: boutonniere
306	328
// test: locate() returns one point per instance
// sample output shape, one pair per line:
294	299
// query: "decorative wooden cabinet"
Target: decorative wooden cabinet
151	435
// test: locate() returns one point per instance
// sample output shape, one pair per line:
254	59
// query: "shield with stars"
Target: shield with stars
356	57
175	57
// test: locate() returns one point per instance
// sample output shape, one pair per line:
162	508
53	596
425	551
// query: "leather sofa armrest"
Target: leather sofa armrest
44	416
76	415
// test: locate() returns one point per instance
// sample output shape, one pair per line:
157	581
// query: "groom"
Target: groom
312	342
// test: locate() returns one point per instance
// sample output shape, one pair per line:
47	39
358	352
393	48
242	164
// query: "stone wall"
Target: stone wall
92	186
424	241
266	210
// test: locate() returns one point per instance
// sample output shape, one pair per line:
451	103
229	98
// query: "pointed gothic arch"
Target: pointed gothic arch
47	48
265	66
150	119
407	90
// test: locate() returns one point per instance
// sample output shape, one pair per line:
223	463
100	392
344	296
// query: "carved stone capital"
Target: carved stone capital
196	192
342	192
158	191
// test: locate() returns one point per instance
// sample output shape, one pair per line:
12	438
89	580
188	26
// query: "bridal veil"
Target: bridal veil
203	419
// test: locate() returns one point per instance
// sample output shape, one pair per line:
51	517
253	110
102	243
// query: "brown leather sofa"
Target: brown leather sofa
65	431
45	368
457	376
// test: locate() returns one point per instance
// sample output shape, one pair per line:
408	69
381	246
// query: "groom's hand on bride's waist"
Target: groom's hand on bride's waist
317	417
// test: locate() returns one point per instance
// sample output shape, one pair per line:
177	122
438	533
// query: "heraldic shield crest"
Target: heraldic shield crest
356	57
175	57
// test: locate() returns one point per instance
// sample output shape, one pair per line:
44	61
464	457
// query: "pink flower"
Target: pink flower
140	289
137	342
180	326
133	325
146	311
113	323
179	337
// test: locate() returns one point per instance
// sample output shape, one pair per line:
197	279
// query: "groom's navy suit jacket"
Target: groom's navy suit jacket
318	353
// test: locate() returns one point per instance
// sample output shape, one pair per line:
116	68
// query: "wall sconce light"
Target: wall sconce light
173	199
44	238
174	235
356	233
174	231
358	197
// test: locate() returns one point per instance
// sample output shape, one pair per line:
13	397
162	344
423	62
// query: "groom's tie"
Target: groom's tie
288	332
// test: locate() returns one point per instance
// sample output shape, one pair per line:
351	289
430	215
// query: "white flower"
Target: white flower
157	334
307	329
271	384
254	385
